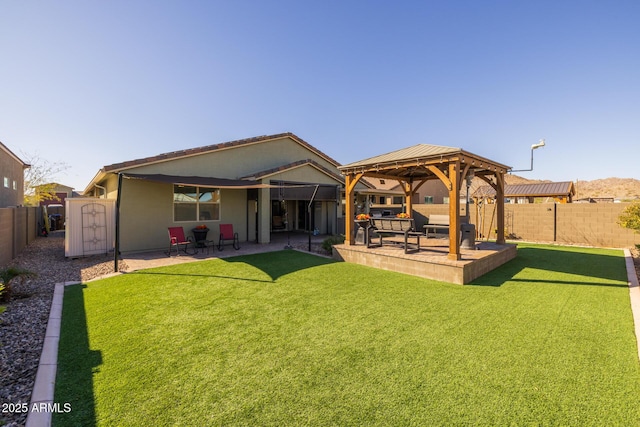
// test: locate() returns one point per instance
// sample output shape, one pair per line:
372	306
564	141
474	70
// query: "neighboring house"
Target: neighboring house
387	194
385	197
12	175
260	185
62	192
432	192
558	192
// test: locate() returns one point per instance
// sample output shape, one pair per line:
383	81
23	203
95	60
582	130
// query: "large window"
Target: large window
196	203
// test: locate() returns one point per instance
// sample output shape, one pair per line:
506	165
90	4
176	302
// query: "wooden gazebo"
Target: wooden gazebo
415	165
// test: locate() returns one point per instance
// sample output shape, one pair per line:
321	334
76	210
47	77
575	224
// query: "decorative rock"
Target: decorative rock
24	322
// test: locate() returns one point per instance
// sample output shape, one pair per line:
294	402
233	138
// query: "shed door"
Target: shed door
94	229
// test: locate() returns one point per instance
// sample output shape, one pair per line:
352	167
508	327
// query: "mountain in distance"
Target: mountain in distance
623	189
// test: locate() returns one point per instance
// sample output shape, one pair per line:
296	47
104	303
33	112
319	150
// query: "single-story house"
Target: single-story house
260	185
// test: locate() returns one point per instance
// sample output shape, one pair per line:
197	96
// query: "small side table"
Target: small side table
206	244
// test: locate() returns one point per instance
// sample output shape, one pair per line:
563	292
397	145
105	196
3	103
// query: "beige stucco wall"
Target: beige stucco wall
147	211
304	173
237	162
11	169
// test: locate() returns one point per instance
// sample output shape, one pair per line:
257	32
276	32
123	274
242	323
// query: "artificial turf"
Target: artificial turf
288	338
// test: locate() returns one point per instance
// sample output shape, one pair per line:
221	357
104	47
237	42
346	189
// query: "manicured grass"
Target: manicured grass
291	339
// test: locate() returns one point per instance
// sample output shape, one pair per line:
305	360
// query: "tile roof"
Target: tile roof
209	148
293	165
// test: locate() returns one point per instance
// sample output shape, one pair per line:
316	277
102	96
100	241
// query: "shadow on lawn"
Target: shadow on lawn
77	363
281	263
274	264
608	268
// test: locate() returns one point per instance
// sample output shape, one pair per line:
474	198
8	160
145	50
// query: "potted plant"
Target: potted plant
200	234
362	219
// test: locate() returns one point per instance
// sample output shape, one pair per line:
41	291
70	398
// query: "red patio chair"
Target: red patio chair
177	240
226	233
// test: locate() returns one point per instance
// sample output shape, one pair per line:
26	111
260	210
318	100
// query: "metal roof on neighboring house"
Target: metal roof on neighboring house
543	189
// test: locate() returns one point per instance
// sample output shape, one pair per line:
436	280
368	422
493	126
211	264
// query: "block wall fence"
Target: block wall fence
589	224
18	228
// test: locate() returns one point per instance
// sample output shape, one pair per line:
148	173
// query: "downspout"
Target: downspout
104	190
116	251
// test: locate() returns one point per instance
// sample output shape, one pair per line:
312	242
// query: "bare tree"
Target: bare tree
39	179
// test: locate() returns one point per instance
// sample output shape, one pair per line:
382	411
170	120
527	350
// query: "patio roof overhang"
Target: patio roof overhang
203	181
415	165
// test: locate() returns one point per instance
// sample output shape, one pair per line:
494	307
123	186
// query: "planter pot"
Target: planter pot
200	235
363	224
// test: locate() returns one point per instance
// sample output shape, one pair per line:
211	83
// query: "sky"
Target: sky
92	83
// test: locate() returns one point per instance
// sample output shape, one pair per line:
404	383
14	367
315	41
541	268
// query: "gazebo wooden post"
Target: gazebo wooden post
350	181
454	212
348	211
500	205
408	196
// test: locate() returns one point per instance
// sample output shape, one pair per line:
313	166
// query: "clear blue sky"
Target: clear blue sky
92	83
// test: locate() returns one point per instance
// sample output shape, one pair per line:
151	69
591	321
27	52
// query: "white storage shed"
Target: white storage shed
90	226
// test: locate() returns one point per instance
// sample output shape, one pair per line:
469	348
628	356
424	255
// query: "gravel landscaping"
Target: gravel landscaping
23	324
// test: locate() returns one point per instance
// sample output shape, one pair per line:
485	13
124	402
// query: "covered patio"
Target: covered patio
412	167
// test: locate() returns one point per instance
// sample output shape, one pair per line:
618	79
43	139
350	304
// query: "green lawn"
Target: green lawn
292	339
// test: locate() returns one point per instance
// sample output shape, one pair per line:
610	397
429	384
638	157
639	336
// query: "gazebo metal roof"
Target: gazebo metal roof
413	166
410	162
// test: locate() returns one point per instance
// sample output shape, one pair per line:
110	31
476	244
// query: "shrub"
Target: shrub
7	275
630	217
330	241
